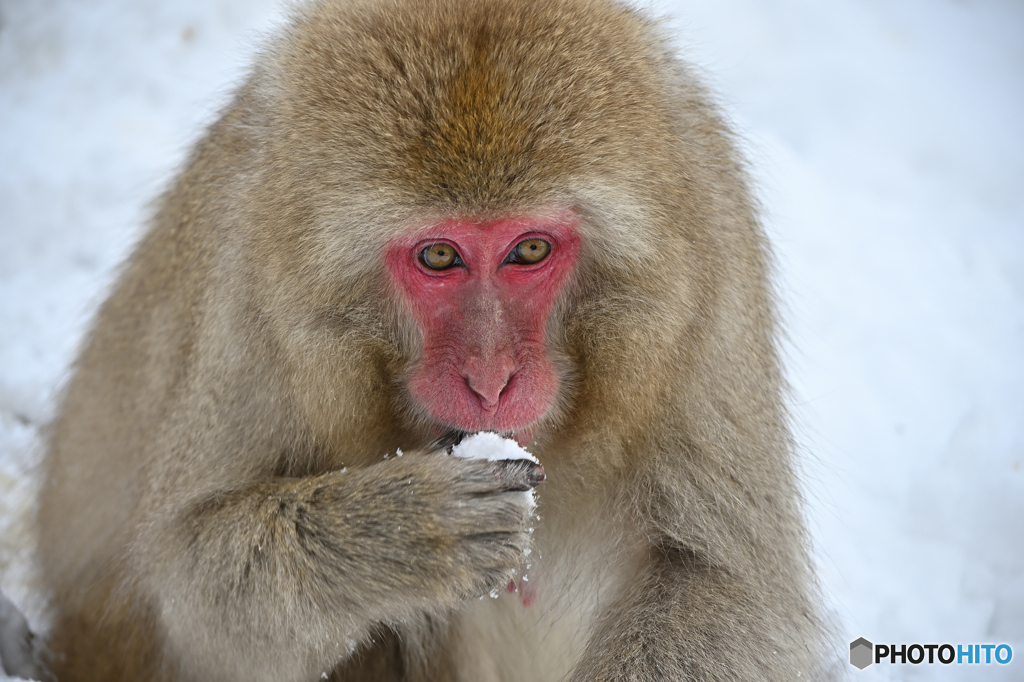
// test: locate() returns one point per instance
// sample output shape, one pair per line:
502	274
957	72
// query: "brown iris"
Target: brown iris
439	256
530	251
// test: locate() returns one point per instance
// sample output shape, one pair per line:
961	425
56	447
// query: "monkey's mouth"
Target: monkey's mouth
453	437
449	440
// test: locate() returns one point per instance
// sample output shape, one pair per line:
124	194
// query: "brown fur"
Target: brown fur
216	505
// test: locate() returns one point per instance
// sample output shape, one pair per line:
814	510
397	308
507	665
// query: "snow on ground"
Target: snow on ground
887	140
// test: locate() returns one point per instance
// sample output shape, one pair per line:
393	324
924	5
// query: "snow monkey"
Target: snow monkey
419	219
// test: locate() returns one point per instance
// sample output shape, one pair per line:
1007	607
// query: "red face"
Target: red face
481	295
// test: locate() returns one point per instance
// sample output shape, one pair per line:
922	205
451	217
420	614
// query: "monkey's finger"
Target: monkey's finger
514	540
494	557
485	477
507	512
519	474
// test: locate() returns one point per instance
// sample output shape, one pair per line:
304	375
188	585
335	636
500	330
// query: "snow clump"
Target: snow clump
490	446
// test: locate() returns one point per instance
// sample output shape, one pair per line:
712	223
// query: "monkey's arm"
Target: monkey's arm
683	619
283	579
724	591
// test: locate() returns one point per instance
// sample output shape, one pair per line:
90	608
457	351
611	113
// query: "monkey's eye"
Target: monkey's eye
439	256
529	251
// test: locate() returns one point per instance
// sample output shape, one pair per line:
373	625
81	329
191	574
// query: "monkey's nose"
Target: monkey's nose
487	380
488	389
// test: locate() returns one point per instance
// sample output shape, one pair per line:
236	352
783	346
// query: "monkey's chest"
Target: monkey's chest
537	631
533	633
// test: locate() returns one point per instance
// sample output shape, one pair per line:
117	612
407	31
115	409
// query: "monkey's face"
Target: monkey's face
480	294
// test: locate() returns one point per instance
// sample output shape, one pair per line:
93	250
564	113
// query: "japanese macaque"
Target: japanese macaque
419	219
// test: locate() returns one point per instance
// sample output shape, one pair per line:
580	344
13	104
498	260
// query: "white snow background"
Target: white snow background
887	138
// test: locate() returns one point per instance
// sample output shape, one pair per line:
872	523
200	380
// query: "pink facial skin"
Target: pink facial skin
484	366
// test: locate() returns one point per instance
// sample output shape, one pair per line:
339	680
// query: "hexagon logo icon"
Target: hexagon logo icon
861	651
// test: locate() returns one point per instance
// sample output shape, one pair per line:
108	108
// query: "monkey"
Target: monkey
415	220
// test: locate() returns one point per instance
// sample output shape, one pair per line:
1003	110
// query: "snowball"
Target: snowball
490	446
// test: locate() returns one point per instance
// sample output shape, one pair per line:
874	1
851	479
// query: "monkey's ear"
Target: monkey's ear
448	441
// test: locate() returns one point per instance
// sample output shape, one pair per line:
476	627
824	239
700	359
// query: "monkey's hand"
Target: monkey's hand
426	529
308	567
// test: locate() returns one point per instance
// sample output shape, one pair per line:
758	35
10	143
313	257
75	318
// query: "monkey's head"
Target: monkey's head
498	228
